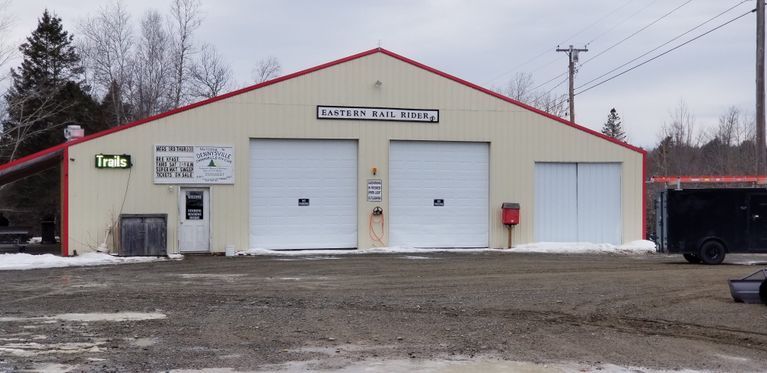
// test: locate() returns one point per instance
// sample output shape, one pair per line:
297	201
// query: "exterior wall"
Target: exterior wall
518	138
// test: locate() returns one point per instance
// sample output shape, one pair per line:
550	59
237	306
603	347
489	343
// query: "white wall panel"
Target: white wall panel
455	172
556	202
599	202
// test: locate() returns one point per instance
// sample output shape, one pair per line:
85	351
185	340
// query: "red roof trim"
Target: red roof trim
311	70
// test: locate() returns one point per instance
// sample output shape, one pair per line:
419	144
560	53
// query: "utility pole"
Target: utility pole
761	150
572	53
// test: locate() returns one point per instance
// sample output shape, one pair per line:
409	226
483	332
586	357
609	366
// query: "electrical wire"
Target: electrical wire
549	81
664	53
609	30
548	50
637	32
664	44
550	90
618	43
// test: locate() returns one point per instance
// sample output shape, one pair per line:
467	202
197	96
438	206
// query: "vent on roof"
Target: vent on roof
73	131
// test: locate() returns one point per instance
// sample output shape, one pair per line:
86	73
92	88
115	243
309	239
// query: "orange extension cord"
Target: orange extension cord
371	229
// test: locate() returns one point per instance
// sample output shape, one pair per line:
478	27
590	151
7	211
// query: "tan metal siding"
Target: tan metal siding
518	138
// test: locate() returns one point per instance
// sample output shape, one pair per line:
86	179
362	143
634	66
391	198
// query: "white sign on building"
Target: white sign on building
378	113
193	164
375	190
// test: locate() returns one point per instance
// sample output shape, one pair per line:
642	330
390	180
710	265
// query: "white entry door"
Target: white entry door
439	194
303	194
194	220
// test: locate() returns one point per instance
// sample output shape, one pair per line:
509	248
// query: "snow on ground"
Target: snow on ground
635	247
28	261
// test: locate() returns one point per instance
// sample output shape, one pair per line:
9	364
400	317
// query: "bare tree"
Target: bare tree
106	49
152	69
681	129
184	19
552	104
210	75
266	69
30	111
520	87
7	50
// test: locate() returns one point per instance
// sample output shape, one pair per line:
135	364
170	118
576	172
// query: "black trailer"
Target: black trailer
705	224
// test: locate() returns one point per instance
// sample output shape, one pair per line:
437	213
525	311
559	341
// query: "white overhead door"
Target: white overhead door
303	194
578	202
438	194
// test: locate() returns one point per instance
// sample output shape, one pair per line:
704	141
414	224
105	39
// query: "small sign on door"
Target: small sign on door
303	202
439	202
194	205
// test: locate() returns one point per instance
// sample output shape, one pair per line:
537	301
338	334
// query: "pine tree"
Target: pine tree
47	93
613	126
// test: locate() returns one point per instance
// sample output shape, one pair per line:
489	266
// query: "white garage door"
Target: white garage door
439	194
578	202
303	194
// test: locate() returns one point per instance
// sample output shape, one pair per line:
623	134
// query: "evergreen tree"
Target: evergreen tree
613	126
47	93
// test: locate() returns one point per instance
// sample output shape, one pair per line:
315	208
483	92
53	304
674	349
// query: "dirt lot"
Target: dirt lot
249	313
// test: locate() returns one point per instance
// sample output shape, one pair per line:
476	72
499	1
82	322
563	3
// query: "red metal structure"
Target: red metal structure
709	179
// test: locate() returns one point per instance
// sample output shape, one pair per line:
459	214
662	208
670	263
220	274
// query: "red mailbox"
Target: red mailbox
510	213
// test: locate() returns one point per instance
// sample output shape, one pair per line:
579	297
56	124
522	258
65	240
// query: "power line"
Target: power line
621	22
549	81
548	50
664	53
544	94
637	32
666	43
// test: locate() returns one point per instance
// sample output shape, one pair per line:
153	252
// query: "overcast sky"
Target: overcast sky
486	41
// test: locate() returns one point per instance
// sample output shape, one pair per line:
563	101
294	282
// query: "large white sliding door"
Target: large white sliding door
578	202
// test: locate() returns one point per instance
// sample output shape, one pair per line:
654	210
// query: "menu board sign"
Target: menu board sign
193	164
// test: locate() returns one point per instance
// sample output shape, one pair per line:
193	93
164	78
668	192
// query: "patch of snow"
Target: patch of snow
416	257
35	240
21	261
95	316
34	348
229	277
634	247
454	364
373	250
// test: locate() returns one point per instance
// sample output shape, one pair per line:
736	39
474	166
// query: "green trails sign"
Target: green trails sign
113	161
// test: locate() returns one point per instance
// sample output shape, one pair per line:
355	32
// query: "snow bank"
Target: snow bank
28	261
635	247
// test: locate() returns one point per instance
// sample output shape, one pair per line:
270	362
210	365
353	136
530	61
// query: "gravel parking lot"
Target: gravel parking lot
272	313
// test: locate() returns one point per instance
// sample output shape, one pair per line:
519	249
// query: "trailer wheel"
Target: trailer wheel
712	252
692	258
763	291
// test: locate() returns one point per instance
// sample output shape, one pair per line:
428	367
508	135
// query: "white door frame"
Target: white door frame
182	214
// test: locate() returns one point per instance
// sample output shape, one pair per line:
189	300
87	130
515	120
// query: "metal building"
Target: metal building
302	161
